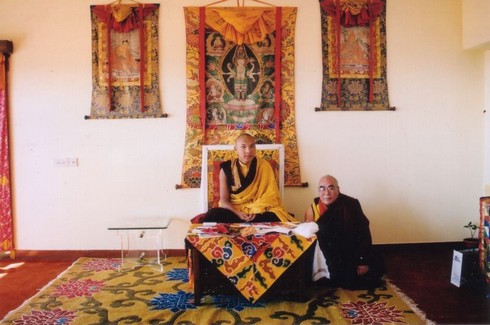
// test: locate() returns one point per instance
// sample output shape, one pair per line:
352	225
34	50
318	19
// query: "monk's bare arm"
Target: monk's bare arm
309	215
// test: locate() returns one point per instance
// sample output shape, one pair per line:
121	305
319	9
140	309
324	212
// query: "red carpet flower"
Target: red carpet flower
72	289
361	312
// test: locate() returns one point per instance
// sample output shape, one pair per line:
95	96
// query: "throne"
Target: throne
214	155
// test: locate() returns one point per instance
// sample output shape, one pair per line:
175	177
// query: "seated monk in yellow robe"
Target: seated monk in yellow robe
248	189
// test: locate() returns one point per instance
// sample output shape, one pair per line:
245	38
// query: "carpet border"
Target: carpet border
40	290
410	302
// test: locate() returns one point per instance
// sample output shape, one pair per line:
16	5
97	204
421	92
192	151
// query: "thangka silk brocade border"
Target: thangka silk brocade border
132	59
233	104
356	78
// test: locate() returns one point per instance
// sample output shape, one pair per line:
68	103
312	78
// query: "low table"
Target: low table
259	266
148	227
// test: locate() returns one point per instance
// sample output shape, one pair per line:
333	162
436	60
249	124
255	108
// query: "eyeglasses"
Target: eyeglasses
329	188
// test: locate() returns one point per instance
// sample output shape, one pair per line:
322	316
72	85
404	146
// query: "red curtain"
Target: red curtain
6	222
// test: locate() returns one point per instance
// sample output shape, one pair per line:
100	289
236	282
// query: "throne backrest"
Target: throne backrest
214	155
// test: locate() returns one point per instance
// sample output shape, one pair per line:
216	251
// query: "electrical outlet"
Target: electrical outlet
72	162
66	162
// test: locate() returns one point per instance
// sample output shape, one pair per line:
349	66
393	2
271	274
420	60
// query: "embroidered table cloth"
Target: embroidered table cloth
252	263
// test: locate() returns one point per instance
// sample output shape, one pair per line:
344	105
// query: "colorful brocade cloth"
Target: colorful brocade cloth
252	263
354	55
240	78
125	64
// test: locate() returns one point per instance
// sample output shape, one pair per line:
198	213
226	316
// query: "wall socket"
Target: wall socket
66	162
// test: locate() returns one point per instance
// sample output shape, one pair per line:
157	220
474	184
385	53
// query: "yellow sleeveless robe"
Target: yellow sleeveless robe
262	194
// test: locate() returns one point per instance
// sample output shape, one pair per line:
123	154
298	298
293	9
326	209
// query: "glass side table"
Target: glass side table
149	229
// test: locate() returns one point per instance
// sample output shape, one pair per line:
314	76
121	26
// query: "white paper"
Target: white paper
456	269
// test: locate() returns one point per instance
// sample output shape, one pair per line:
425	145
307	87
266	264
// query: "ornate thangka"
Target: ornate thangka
354	55
240	77
125	61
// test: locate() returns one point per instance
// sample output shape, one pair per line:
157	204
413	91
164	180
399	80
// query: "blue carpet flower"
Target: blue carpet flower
178	274
173	301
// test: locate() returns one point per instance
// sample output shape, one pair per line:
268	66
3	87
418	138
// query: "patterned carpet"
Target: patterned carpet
95	291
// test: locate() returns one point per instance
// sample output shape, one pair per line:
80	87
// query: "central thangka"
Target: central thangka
240	77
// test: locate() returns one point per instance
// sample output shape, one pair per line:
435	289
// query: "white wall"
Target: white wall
418	171
486	160
476	23
476	26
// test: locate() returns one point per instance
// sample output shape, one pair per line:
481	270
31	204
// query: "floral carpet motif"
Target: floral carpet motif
95	291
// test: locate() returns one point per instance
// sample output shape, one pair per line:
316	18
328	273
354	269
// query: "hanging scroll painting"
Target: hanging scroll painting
125	81
354	55
240	77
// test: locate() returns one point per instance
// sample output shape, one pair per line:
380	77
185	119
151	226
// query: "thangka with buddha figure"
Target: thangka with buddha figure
240	77
354	55
125	66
